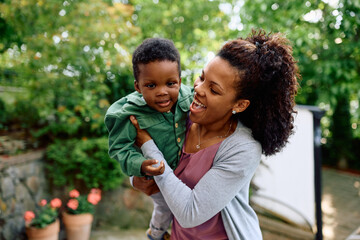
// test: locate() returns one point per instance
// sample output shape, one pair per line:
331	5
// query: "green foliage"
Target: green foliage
83	162
3	113
73	58
196	27
46	216
25	114
326	44
67	63
341	129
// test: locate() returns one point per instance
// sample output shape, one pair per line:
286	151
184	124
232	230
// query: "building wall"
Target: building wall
22	185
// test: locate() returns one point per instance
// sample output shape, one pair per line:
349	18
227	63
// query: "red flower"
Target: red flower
95	191
94	198
74	193
73	204
43	202
28	216
82	204
55	203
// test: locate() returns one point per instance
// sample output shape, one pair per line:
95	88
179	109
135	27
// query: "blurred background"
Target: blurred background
62	63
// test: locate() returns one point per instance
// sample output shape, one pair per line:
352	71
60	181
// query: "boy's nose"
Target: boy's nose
161	91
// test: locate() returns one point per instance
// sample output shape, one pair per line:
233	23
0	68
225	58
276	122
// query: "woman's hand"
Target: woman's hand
142	136
147	186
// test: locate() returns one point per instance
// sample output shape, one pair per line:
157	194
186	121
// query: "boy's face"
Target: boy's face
159	83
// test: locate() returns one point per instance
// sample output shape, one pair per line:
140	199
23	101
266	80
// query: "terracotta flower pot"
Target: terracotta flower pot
78	227
50	232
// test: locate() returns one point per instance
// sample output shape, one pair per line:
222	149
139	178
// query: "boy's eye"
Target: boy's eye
150	85
171	84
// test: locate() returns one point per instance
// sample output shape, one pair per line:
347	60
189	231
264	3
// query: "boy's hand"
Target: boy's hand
142	136
149	170
148	187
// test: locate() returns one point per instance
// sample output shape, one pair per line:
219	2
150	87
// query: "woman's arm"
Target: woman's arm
234	165
149	167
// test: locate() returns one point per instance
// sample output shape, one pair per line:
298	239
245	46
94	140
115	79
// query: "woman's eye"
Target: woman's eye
213	91
150	85
201	77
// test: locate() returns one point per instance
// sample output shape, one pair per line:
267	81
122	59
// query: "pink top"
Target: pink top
192	167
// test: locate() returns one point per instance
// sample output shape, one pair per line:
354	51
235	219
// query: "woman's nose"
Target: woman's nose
198	87
197	82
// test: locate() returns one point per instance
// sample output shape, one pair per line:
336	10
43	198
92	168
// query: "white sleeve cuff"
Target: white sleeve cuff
151	151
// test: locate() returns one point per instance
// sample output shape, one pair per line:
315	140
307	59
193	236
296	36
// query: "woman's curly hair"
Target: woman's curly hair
268	77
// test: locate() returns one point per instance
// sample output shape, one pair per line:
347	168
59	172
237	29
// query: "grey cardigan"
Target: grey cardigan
225	187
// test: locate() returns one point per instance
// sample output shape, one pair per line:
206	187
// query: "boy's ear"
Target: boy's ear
180	82
136	85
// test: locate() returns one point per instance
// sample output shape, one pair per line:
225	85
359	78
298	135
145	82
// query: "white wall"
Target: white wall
287	181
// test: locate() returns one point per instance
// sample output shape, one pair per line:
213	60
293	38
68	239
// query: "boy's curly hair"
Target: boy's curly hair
152	50
268	75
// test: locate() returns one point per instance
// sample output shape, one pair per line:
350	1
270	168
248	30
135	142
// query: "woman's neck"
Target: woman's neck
202	136
218	129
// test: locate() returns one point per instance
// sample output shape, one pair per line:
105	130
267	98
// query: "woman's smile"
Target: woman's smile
197	106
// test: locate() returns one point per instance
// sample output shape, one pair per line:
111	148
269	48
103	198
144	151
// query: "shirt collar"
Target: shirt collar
137	99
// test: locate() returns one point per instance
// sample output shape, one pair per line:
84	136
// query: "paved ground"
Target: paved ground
340	205
119	235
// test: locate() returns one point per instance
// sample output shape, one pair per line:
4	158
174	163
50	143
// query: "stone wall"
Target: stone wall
22	185
123	208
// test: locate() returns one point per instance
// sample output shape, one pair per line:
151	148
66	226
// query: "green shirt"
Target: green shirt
166	129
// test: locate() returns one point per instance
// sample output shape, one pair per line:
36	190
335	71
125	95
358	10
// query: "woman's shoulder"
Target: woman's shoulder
241	140
240	153
242	136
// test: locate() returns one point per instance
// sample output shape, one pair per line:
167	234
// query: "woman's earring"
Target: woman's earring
234	112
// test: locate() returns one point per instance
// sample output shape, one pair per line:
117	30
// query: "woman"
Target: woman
243	107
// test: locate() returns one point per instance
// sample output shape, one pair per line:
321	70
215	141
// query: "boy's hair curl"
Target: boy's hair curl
152	50
267	76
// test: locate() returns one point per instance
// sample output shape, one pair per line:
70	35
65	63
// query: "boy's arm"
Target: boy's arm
122	136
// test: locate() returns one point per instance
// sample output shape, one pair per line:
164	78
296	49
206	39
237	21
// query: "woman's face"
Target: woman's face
214	98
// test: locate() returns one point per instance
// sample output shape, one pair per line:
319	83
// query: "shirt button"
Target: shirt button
179	153
178	139
176	125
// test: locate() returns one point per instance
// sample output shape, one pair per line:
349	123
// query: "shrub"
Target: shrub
83	162
25	114
3	113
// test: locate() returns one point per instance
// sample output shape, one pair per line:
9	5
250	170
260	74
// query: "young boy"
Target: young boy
160	104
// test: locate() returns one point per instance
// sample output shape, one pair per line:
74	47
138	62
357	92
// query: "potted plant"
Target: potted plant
44	223
78	215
